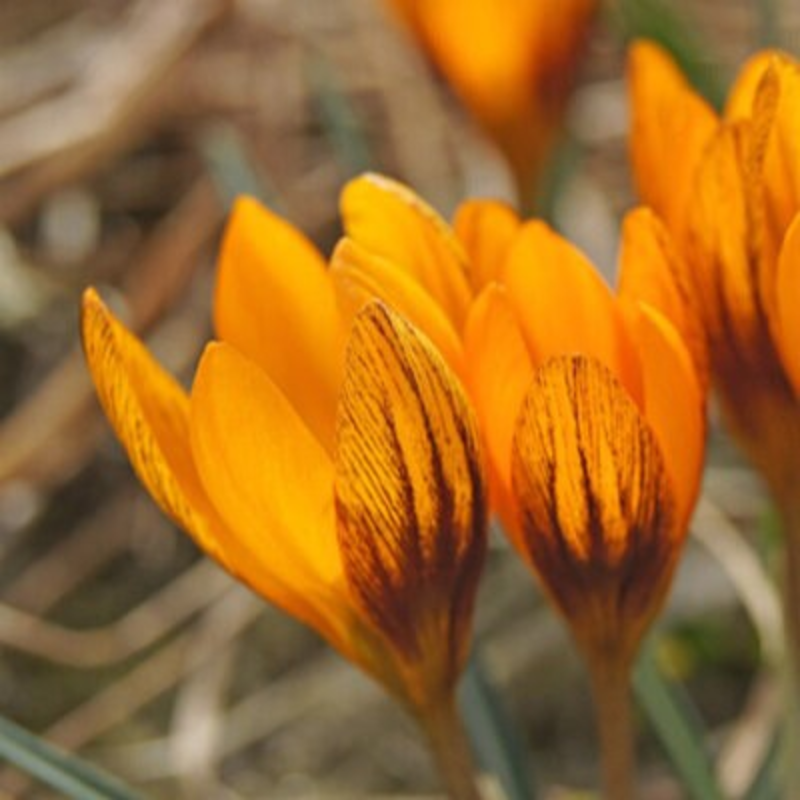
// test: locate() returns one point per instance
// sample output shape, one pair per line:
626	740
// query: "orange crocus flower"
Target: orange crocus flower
592	408
730	193
512	64
332	465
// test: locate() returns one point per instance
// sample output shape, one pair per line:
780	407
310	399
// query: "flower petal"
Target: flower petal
652	271
674	402
668	117
486	228
786	327
360	275
499	375
564	306
742	94
389	219
726	236
274	302
409	493
782	160
597	510
272	483
149	412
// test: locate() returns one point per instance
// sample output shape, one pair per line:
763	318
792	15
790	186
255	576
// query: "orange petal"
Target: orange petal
389	219
670	129
786	325
272	483
725	242
564	306
149	412
597	508
486	228
782	162
274	302
652	271
500	372
674	402
409	495
359	275
742	94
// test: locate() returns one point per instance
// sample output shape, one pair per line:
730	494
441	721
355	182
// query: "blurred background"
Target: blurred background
126	128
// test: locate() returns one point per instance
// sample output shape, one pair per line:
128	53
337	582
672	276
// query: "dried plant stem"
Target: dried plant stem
451	750
610	679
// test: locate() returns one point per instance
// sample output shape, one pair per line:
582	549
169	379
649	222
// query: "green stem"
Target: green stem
451	750
610	680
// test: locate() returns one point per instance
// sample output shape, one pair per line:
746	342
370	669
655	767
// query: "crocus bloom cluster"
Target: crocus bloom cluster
730	193
329	462
328	457
511	62
591	405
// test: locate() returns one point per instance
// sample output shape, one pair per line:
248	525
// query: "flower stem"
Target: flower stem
610	679
451	750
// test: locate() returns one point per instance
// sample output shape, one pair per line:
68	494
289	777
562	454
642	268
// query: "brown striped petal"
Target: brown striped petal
409	497
596	504
149	412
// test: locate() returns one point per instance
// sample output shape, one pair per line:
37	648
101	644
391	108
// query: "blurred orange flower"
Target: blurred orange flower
512	64
591	405
730	193
332	465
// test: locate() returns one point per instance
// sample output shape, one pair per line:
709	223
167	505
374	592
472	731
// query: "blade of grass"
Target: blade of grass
57	769
231	168
340	122
677	725
496	743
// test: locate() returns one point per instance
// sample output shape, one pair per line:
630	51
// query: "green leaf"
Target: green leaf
496	742
57	769
677	725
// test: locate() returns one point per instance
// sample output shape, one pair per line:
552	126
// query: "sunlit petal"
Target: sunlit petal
271	482
673	402
741	97
671	127
486	228
652	270
390	220
274	302
564	306
360	275
500	373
